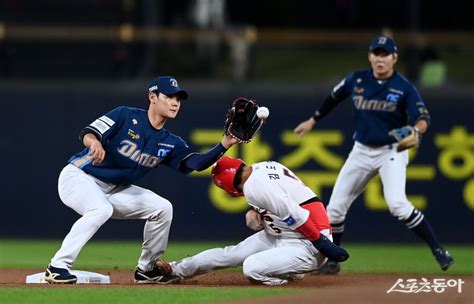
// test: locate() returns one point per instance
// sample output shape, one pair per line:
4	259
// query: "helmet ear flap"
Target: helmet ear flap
224	174
238	176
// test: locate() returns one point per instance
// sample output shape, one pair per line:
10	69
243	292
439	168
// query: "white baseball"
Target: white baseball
263	112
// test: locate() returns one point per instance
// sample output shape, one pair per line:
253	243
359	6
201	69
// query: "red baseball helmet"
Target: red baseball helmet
223	174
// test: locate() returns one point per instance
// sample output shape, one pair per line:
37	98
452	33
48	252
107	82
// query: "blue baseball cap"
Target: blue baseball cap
168	86
384	43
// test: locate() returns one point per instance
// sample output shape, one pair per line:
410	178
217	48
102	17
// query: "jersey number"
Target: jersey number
268	219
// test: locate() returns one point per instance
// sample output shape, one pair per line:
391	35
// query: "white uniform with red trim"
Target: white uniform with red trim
278	253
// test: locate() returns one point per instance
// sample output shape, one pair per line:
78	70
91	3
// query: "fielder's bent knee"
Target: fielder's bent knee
161	210
101	214
166	212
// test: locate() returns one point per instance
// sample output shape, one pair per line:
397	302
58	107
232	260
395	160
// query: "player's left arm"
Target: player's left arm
228	141
418	119
192	161
202	161
186	160
422	126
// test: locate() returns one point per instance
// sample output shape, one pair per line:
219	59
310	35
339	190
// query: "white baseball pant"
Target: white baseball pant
362	164
97	201
267	259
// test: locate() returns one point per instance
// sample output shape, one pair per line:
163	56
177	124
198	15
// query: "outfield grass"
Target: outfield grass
365	258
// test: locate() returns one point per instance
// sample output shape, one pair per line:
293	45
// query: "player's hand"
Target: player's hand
228	141
96	152
254	220
305	126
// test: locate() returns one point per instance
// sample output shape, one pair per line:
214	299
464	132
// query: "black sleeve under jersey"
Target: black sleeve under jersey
338	94
199	162
328	104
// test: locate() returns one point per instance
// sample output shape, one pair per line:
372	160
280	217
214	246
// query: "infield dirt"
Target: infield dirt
342	288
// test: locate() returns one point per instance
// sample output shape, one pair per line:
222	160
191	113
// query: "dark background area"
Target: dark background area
58	39
43	122
338	14
65	63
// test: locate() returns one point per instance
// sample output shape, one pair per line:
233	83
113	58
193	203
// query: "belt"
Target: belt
389	146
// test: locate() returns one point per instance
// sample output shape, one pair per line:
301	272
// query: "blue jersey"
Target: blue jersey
380	105
132	147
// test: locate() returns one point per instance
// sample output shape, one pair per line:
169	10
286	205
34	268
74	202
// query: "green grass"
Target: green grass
135	295
95	255
404	258
365	258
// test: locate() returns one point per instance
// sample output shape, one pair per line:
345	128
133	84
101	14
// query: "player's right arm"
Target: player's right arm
96	151
93	135
338	94
254	220
305	126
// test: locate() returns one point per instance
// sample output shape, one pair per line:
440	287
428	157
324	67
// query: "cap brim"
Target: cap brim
379	47
181	93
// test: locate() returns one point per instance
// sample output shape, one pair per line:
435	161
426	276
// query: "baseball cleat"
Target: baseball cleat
56	275
160	274
444	259
329	268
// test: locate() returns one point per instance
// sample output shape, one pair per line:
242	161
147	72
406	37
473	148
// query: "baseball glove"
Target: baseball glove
407	137
242	122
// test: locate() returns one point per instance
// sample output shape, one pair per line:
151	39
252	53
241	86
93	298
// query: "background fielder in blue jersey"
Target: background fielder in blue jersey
121	147
382	100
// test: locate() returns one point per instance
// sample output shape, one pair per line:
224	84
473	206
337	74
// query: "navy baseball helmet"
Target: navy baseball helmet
384	43
168	86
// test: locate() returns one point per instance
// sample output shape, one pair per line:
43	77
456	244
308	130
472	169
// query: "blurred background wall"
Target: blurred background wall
65	63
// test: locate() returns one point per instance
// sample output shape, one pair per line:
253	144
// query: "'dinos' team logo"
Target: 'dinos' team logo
173	82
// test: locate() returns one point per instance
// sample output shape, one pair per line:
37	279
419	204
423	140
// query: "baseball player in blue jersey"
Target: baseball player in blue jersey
383	100
120	148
